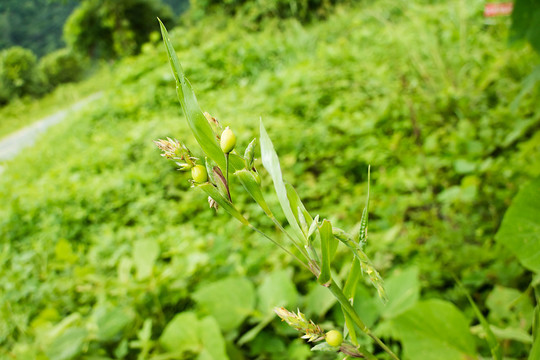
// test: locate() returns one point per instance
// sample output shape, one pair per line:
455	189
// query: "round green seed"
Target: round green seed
334	338
228	140
198	173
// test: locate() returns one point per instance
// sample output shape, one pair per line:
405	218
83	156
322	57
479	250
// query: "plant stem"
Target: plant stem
342	299
227	175
280	246
300	248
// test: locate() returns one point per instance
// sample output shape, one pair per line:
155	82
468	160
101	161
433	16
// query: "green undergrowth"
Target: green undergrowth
24	111
105	252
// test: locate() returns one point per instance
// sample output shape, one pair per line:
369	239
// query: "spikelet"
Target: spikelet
299	321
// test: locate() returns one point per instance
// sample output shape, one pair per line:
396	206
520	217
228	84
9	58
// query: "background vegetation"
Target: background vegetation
105	253
36	25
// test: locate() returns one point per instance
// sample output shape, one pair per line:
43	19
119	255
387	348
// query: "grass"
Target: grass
420	91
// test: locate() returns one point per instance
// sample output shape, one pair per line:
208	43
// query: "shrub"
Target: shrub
61	66
18	73
111	28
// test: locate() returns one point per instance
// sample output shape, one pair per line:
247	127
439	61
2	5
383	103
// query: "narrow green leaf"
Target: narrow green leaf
271	164
297	207
313	227
349	324
494	345
352	280
349	290
253	188
223	202
249	154
327	238
302	221
196	120
236	161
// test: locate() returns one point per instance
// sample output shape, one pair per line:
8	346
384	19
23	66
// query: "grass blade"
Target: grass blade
297	207
196	120
494	345
271	164
327	238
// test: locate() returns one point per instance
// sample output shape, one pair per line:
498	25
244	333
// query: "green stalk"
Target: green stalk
280	227
342	299
227	175
279	245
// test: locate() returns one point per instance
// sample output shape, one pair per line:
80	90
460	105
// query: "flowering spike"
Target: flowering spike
299	321
177	152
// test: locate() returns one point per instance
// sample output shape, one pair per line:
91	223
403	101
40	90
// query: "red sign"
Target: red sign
498	9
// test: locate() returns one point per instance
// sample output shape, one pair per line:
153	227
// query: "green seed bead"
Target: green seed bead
198	173
228	140
334	338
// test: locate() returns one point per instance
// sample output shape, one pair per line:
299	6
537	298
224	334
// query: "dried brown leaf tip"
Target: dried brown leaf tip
299	321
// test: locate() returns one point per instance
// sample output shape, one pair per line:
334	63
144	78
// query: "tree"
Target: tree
17	73
35	25
113	28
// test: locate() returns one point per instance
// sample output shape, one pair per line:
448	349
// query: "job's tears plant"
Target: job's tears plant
314	239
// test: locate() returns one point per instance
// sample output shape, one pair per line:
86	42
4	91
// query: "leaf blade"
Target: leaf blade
494	345
520	228
271	164
327	238
196	120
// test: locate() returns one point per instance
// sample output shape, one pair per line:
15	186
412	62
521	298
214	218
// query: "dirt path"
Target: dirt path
12	144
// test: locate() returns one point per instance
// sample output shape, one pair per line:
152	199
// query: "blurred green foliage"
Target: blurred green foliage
22	75
257	10
18	73
35	25
61	66
526	23
420	90
111	28
20	112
